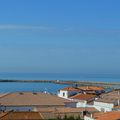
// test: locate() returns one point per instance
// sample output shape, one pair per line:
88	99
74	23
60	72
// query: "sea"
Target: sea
6	87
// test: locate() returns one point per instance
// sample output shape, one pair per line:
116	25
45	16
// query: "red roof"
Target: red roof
70	89
114	115
83	96
89	88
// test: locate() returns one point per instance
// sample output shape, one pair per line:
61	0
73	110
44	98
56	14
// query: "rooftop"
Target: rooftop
114	115
66	109
3	94
62	111
29	98
110	97
93	88
83	96
21	116
70	89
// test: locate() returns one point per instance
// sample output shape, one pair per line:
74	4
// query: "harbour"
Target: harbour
51	86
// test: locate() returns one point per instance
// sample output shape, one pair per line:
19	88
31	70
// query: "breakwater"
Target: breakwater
67	82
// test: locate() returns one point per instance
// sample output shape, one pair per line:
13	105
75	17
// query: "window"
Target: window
63	94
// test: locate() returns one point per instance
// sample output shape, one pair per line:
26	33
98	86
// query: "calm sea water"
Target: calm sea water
33	87
49	87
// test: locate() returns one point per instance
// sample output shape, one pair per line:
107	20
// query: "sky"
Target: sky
60	36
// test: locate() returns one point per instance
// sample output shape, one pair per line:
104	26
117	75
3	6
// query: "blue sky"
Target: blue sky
63	36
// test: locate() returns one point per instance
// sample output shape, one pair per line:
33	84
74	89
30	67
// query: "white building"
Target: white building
74	95
67	92
88	118
102	106
107	101
83	100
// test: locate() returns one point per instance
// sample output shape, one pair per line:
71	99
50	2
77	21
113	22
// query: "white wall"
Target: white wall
63	94
88	118
81	104
101	106
66	94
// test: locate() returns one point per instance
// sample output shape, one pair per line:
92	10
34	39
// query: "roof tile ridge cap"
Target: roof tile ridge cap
41	115
63	88
69	88
6	114
6	95
90	88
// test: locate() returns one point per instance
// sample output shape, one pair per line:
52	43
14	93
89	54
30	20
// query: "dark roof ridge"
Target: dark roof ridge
6	114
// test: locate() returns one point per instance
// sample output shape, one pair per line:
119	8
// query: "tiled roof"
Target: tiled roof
83	96
114	115
111	97
62	111
117	106
93	88
3	94
70	89
2	114
107	100
66	109
29	98
21	116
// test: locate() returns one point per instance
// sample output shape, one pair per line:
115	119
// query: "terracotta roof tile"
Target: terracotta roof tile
22	116
66	109
93	88
114	115
70	89
111	97
83	96
29	98
62	111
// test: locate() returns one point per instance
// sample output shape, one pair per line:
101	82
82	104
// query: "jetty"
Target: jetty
68	82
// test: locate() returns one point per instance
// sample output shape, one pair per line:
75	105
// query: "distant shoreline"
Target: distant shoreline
68	82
